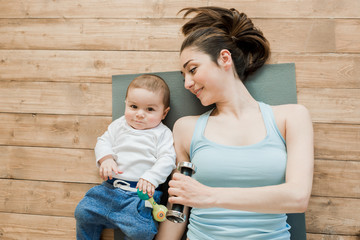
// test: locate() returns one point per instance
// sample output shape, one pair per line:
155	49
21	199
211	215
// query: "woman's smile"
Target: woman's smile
197	92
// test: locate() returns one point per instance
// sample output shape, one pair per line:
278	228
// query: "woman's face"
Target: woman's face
201	75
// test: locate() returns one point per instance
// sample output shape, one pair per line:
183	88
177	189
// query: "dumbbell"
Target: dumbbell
159	211
176	214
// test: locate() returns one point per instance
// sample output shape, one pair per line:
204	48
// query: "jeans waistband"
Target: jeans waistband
127	184
131	183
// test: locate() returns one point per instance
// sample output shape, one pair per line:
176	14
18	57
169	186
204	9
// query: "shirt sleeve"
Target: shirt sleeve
165	162
104	144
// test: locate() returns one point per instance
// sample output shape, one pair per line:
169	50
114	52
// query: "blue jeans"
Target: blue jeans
104	206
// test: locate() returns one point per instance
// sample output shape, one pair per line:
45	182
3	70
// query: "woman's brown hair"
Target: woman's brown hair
214	29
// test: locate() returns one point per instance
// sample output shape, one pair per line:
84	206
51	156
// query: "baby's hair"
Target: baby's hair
152	83
214	29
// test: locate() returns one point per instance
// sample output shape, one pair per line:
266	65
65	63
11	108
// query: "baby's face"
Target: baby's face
144	109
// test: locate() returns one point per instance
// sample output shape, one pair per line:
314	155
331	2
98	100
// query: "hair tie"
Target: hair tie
234	39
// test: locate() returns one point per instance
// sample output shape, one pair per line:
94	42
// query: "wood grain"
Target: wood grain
81	66
26	226
331	178
337	141
332	141
331	105
51	130
334	216
169	9
56	63
325	215
56	98
312	70
48	164
311	236
336	178
298	35
326	105
40	197
323	70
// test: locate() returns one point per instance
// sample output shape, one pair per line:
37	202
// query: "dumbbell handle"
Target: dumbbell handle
176	213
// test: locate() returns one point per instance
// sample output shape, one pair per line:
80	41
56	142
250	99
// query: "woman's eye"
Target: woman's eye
192	70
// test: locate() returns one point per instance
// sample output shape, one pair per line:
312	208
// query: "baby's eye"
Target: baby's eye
133	106
150	109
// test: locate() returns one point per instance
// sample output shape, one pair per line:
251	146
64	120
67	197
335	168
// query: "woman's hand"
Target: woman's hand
146	187
107	167
187	191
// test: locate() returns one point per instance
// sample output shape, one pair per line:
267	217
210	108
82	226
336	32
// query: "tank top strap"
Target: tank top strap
199	130
269	121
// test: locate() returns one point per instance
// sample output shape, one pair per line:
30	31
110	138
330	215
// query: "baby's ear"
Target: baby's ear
165	112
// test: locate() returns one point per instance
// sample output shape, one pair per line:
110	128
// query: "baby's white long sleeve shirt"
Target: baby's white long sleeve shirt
147	154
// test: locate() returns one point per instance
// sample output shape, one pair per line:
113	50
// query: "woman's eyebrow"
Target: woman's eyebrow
185	64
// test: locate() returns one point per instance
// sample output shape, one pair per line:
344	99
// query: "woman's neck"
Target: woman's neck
236	101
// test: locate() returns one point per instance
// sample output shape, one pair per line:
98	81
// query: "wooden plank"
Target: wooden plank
334	216
323	70
56	98
336	179
312	236
332	141
312	70
90	34
49	164
324	215
81	66
331	178
168	9
94	9
41	198
24	226
300	35
345	31
293	8
331	105
326	105
36	130
337	141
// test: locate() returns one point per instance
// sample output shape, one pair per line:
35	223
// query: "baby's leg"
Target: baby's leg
90	214
134	219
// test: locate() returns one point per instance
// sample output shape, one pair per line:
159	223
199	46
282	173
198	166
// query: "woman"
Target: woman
254	161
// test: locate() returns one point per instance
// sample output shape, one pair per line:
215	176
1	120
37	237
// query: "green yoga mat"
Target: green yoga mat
273	84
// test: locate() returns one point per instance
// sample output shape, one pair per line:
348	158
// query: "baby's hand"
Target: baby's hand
146	186
107	167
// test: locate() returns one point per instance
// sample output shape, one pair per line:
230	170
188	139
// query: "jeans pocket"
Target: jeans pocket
143	211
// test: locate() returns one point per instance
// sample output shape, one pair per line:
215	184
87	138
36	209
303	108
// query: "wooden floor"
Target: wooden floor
56	63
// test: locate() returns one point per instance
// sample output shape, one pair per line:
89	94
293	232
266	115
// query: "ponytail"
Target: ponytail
215	28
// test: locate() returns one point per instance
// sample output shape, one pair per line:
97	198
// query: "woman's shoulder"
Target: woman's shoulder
186	122
292	116
290	110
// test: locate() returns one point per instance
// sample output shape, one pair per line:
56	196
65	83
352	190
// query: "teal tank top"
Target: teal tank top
256	165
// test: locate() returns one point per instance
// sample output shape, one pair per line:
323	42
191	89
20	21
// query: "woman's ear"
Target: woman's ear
225	59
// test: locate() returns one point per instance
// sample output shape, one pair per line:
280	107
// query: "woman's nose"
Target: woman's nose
188	83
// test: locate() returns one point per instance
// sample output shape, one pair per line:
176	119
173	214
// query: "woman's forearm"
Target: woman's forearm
172	231
284	198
